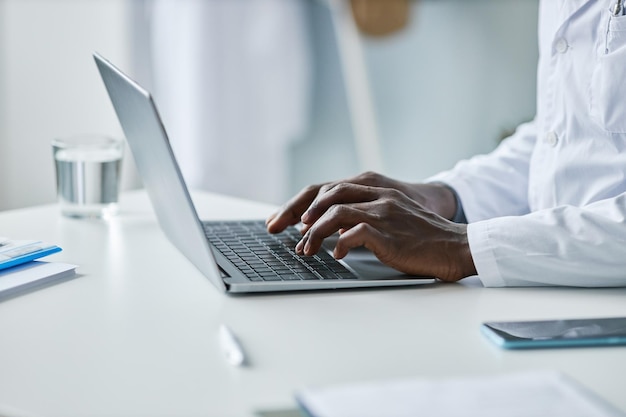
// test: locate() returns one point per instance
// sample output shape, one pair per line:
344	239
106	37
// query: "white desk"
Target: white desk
136	333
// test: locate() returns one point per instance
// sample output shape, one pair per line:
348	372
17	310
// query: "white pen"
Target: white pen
231	347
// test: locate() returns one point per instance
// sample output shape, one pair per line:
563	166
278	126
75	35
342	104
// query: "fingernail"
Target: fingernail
305	217
299	247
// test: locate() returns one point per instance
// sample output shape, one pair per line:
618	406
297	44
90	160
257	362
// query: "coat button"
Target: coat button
561	45
551	138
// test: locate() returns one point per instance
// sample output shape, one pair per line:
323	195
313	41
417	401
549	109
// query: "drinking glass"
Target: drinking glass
88	169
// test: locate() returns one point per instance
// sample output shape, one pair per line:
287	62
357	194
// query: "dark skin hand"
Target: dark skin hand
405	225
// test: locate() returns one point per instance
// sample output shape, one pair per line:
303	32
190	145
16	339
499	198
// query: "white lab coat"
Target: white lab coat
548	206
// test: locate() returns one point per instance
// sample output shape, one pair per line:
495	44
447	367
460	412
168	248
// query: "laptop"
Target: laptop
236	256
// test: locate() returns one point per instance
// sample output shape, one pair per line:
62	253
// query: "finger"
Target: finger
362	234
305	228
370	179
293	210
323	189
270	218
343	193
290	213
343	216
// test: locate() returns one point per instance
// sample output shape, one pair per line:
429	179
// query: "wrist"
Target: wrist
436	197
460	261
465	258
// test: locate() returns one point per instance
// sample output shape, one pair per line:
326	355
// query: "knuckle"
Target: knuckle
342	187
310	189
315	203
325	188
339	210
335	210
390	199
370	177
362	228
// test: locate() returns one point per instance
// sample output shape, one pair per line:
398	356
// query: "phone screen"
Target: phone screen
557	333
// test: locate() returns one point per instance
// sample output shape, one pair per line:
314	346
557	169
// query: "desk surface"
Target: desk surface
135	334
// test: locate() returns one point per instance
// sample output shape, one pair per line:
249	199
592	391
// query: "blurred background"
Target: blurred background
262	97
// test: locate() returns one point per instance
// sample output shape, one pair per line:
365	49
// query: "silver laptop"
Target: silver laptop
236	256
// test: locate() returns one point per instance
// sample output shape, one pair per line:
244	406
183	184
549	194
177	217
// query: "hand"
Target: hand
396	228
435	197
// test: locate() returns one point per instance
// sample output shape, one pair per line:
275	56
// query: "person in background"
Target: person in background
547	207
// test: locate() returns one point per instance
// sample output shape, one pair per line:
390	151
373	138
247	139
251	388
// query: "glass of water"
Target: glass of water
88	171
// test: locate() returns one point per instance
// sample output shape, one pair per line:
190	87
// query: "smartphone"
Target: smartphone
608	331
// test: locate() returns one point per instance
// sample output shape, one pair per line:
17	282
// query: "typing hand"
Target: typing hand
401	232
434	197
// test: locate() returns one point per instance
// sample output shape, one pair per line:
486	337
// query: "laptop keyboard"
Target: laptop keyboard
262	256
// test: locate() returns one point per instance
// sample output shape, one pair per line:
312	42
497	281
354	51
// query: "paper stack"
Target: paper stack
529	394
18	270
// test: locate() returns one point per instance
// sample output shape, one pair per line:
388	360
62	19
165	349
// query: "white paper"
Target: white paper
32	274
532	394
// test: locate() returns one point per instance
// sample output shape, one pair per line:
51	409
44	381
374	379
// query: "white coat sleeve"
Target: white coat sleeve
496	184
567	245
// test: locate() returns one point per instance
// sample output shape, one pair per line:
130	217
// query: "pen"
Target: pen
231	347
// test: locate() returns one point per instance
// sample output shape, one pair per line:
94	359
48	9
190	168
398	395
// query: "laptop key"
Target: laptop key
262	256
309	276
272	278
255	278
291	277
